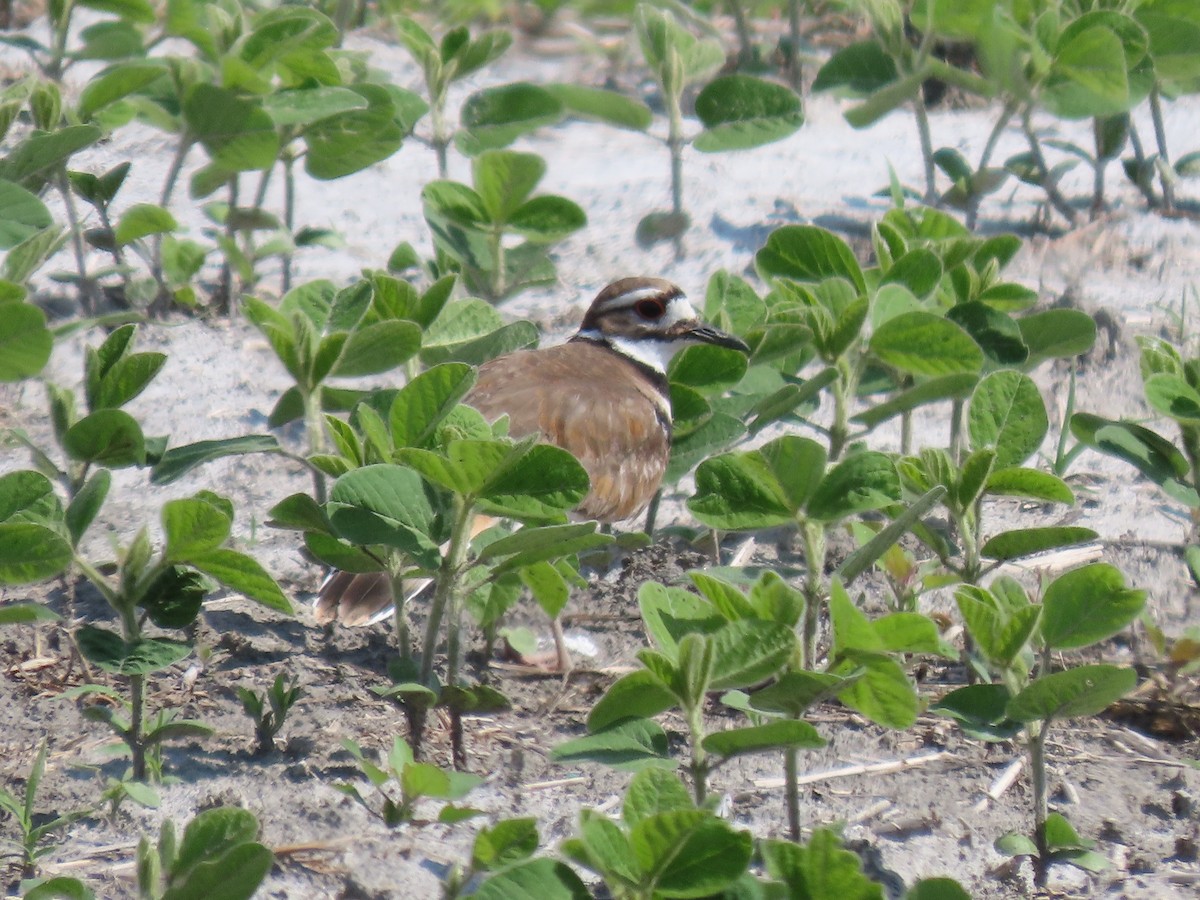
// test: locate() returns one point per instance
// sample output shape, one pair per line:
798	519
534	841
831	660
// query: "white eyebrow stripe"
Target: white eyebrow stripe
631	297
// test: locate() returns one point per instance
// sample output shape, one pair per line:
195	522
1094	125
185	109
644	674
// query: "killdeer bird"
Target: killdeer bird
603	396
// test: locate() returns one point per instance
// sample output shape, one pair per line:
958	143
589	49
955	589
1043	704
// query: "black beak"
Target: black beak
706	334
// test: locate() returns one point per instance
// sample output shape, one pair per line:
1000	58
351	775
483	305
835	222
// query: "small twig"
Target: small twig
1006	780
554	782
879	768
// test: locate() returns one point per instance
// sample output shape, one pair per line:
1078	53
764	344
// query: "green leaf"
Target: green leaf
25	612
36	158
25	341
859	483
1150	453
651	792
504	180
1028	541
243	574
378	347
1057	334
1173	397
1031	483
740	111
937	889
627	745
908	632
883	693
781	735
178	461
108	437
533	544
796	691
536	879
669	613
29	496
30	552
143	220
996	333
351	141
174	599
606	106
639	695
980	710
23	214
548	587
707	368
547	474
807	253
1083	691
508	841
124	379
921	343
547	219
860	70
193	526
422	404
1089	76
822	869
311	104
110	653
60	888
739	491
1007	413
495	117
689	853
1088	605
238	135
384	504
749	651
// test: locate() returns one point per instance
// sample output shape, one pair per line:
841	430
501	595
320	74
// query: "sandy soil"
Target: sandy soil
1135	793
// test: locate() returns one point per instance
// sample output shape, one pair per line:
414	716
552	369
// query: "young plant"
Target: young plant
269	712
454	58
219	855
474	227
654	849
40	540
30	848
738	112
418	471
411	782
1171	383
722	640
503	861
1006	424
1016	641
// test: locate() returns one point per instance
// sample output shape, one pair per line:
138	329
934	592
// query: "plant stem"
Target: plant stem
289	214
985	157
1037	774
843	387
813	535
1164	155
956	416
137	689
695	717
314	425
675	143
791	773
1060	454
795	73
496	283
87	289
745	42
446	588
1057	200
926	139
440	140
400	615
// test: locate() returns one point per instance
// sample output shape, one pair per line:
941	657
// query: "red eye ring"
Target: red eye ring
650	309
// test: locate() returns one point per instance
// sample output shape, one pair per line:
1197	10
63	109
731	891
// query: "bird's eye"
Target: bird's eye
650	309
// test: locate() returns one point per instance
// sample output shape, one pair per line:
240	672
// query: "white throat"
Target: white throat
655	354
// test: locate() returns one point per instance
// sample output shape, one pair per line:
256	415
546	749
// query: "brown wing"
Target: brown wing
593	403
